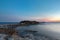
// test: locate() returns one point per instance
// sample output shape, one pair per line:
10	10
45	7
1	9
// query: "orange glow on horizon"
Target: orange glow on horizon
53	19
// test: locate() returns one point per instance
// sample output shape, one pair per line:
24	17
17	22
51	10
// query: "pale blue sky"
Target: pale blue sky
16	10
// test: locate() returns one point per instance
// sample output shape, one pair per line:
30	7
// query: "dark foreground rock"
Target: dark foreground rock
7	31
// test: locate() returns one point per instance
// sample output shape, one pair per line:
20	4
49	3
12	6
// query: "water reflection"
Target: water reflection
52	30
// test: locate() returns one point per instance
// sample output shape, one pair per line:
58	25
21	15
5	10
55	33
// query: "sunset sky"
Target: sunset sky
40	10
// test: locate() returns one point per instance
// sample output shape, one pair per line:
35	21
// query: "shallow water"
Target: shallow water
48	29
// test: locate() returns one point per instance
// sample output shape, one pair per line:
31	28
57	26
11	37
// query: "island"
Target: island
26	22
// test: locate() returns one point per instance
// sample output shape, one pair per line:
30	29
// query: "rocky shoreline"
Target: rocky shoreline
29	35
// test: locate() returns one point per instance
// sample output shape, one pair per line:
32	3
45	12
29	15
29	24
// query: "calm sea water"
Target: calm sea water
8	22
48	29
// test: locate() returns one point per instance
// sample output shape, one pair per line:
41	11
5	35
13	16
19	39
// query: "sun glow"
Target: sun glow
51	19
55	19
46	19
